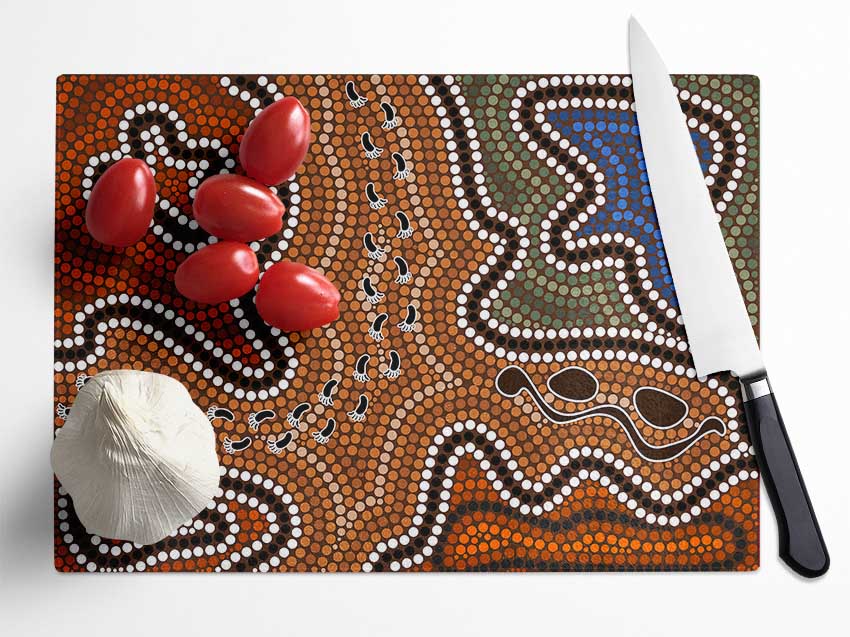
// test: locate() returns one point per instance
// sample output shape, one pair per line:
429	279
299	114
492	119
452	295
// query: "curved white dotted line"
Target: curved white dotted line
222	548
537	510
564	144
651	334
157	148
191	331
624	105
245	95
498	243
718	146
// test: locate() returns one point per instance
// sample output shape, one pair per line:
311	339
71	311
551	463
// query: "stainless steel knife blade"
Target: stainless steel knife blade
719	331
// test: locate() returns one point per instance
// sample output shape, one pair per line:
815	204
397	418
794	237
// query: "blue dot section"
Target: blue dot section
611	140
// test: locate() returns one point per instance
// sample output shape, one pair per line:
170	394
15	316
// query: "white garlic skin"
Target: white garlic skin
136	455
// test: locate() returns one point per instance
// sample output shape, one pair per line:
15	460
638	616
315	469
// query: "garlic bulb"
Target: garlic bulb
136	455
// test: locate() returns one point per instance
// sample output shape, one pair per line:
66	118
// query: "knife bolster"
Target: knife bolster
754	387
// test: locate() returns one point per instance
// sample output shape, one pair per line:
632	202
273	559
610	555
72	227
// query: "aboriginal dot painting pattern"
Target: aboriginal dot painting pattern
508	386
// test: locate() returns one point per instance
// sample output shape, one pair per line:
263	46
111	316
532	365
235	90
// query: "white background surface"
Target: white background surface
800	51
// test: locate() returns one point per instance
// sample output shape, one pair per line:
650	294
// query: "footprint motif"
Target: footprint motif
361	372
278	445
323	435
404	274
376	328
294	416
409	322
376	201
369	149
404	228
354	98
372	250
391	118
326	396
394	367
359	413
240	444
215	412
372	294
257	418
402	169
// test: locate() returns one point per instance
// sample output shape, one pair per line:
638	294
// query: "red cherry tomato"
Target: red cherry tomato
296	298
218	272
276	142
120	206
237	208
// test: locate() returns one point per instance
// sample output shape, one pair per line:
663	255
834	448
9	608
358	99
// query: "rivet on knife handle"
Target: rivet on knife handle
801	544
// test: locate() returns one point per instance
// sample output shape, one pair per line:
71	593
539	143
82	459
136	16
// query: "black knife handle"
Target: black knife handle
801	544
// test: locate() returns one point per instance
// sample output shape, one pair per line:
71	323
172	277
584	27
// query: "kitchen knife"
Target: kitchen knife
718	327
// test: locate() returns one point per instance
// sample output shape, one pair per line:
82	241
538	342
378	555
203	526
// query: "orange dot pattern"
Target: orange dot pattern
326	490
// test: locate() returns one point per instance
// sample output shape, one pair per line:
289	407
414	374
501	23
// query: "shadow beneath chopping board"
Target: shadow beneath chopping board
28	524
